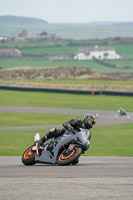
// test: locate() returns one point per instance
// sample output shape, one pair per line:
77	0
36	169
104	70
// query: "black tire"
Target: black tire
28	159
75	162
64	159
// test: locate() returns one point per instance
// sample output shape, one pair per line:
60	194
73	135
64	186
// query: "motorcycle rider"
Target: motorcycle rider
121	111
73	125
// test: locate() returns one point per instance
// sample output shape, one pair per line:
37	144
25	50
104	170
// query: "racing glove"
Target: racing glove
69	127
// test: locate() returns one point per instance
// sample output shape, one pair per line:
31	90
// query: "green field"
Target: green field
48	50
54	100
64	48
44	44
31	119
115	140
106	141
126	49
37	49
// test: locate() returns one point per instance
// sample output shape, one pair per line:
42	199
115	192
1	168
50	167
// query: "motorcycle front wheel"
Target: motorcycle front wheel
67	158
28	157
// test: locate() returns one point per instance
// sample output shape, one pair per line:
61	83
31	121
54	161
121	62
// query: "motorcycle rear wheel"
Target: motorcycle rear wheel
70	158
28	157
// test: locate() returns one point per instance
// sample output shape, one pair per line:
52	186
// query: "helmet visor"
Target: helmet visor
90	122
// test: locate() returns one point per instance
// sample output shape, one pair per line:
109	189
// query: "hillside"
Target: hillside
14	21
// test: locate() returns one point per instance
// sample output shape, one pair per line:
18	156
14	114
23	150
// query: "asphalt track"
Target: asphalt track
105	117
103	178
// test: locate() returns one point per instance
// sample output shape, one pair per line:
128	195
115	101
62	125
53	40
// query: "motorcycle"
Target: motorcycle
63	150
121	111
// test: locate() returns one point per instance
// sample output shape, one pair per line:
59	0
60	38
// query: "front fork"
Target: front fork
37	150
71	147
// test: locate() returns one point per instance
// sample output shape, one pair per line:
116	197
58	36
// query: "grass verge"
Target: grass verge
96	84
44	99
30	119
113	140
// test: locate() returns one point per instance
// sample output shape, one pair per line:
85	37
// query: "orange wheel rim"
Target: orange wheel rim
63	158
27	155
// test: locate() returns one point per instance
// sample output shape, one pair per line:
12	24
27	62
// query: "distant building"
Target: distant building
44	33
100	53
3	38
23	36
9	53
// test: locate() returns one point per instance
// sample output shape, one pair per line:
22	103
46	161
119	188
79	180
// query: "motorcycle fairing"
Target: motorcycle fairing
47	157
67	138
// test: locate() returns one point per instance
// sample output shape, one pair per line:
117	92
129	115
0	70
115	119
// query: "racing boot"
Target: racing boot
47	136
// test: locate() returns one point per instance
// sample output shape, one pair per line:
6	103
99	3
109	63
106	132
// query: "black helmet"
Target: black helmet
89	120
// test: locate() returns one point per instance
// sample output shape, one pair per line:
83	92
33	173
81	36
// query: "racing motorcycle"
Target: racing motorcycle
63	150
121	111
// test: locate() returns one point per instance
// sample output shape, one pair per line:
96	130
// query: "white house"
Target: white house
3	38
96	52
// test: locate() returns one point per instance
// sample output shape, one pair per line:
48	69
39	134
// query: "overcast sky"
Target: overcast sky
70	10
